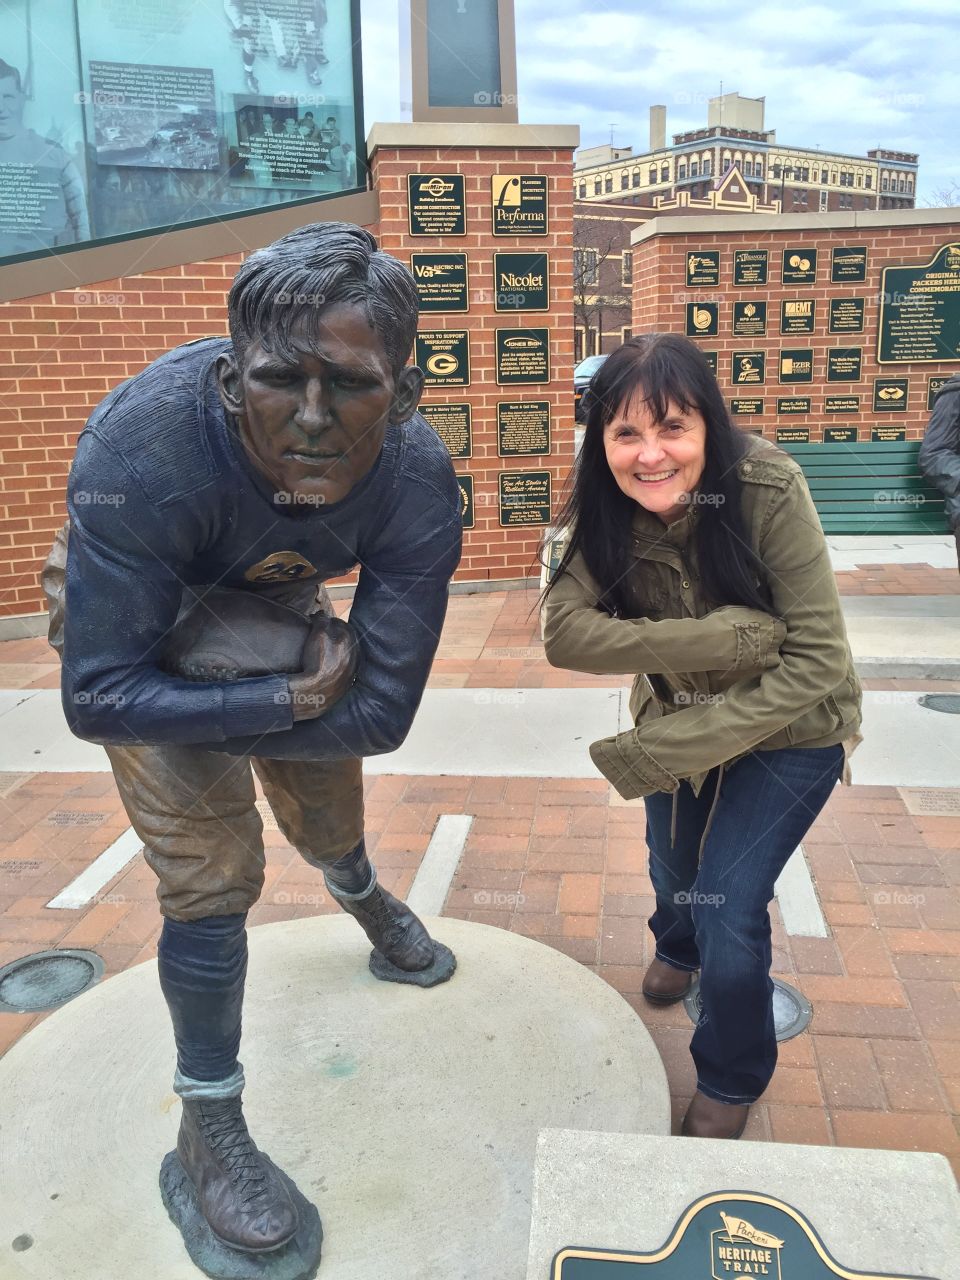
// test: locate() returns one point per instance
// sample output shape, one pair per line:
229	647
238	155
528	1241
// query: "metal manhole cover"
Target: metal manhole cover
791	1010
948	702
47	979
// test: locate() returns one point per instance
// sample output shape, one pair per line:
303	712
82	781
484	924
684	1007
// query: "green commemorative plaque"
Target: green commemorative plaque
840	435
703	268
797	315
523	355
846	406
519	204
749	319
933	386
728	1233
747	368
799	266
748	407
444	357
787	405
711	358
796	365
848	265
793	435
453	424
884	435
521	281
436	204
467	512
890	395
523	427
703	319
844	364
441	280
750	266
524	498
920	310
846	315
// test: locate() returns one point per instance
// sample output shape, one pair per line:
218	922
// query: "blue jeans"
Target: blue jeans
713	916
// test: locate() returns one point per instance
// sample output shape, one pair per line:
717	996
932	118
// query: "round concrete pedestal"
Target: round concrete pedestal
409	1117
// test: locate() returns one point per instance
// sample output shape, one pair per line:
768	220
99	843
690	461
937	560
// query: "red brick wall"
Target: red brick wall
660	298
492	552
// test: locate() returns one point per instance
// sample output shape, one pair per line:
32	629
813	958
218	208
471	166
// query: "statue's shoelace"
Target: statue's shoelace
226	1134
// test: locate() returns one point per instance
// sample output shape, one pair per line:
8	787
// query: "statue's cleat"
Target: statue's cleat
238	1189
403	950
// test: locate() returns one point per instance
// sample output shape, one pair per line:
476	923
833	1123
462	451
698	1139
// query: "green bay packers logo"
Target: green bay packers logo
443	364
281	566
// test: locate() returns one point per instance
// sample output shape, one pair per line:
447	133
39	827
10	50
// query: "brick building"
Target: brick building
689	172
602	276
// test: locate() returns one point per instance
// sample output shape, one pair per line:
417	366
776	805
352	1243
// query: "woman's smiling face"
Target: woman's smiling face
657	464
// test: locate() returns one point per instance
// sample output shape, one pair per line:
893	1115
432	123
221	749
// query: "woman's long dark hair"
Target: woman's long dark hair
597	514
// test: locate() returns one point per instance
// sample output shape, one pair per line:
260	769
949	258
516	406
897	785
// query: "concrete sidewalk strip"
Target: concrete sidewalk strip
797	899
432	882
101	871
520	733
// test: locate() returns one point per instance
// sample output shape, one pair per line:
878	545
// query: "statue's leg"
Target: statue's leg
319	808
194	811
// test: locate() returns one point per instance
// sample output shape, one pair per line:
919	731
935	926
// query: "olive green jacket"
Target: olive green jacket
713	686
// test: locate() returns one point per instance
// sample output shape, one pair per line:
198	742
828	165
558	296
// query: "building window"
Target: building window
584	266
706	168
883	184
868	181
626	267
824	175
748	168
624	180
777	170
652	175
597	187
608	182
694	168
681	172
636	177
833	177
625	333
582	191
824	198
664	173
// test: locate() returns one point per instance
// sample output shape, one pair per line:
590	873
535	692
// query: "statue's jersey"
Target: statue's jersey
162	496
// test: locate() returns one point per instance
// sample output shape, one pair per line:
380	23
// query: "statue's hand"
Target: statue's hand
330	656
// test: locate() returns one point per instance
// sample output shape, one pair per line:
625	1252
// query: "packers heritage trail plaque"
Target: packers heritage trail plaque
797	315
519	204
749	319
703	319
848	266
523	427
453	424
920	310
521	281
703	268
890	395
750	266
441	280
436	205
523	355
728	1233
524	497
796	365
467	513
846	315
799	266
444	357
747	367
844	364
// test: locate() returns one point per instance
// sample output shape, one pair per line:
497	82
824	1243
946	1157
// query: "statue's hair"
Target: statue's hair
7	72
294	279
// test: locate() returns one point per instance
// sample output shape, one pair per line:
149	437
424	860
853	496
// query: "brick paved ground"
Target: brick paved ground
563	861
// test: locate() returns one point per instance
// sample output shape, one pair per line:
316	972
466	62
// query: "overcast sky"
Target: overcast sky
847	78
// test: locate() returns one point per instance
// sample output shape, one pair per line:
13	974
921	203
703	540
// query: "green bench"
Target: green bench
870	487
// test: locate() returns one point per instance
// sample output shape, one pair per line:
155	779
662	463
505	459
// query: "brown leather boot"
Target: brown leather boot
707	1118
663	984
392	928
240	1194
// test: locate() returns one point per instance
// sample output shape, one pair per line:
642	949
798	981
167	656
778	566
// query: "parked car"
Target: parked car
581	380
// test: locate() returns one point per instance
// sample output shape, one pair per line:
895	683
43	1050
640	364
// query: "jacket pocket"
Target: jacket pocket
825	718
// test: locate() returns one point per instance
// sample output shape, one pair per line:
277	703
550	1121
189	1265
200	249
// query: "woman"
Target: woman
696	561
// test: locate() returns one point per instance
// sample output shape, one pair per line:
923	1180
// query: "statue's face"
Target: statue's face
314	427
